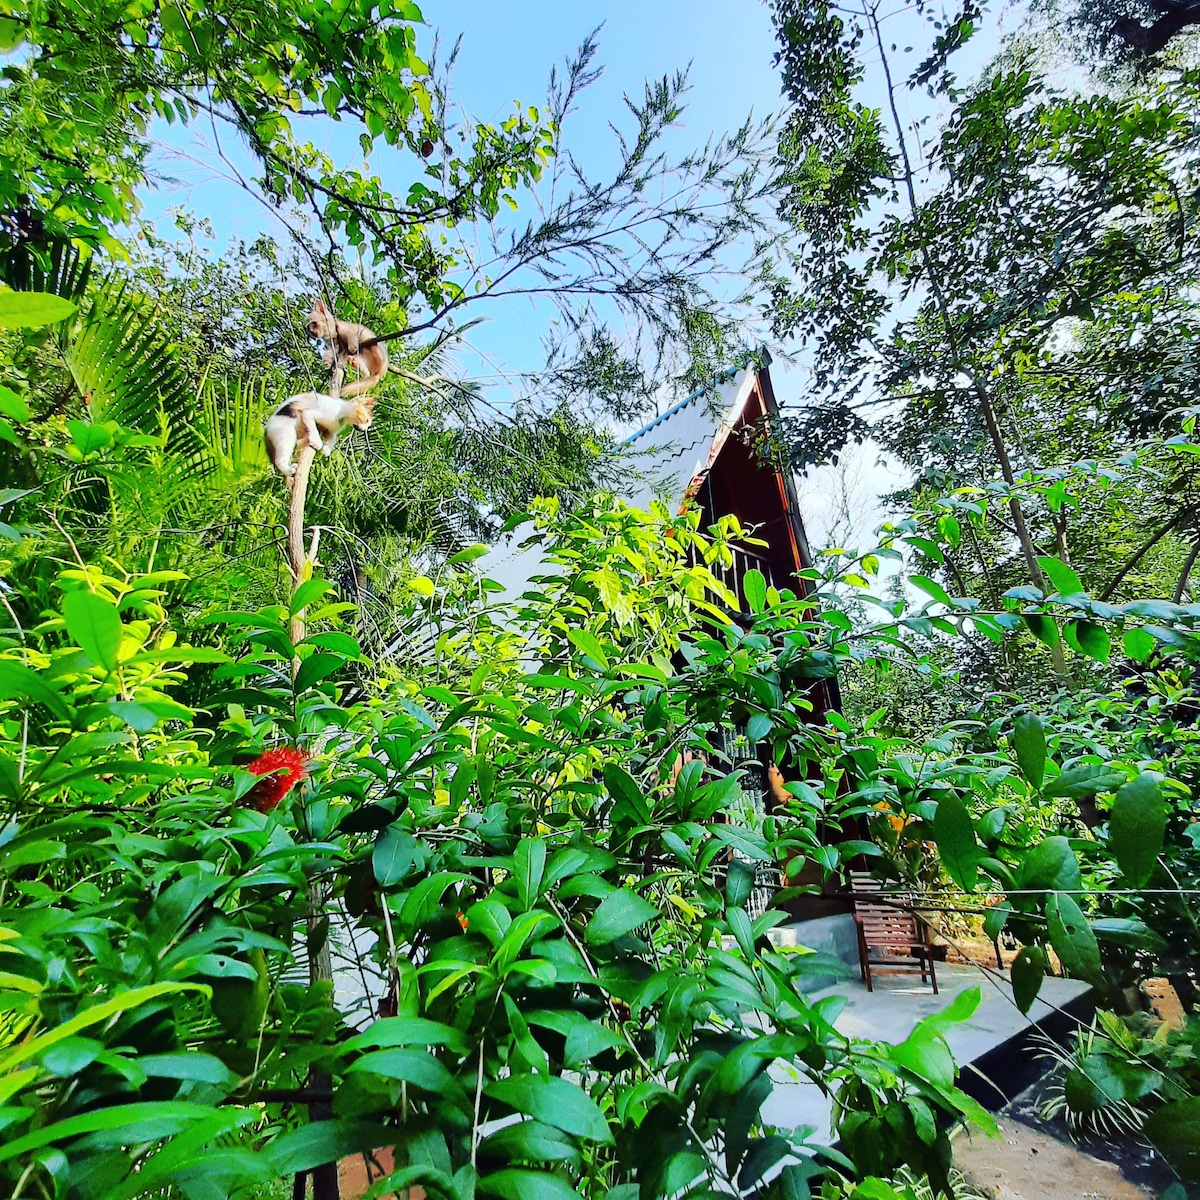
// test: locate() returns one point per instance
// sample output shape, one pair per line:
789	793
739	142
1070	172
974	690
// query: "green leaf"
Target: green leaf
530	1141
1139	644
1073	939
554	1100
1175	1130
931	588
623	788
1028	970
417	1067
18	682
529	865
307	592
744	841
11	405
1050	866
757	728
324	1142
407	1031
517	1184
393	855
95	626
755	586
1136	828
1042	627
136	716
1091	638
315	668
1084	780
1065	581
32	310
192	1065
618	914
129	1122
739	926
1029	745
955	838
995	920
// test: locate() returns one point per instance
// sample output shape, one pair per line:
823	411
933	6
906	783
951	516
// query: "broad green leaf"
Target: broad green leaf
25	854
11	405
32	310
406	1031
417	1067
1175	1131
1050	866
307	592
1073	939
531	1141
618	914
624	790
130	1123
744	841
1139	644
874	1188
931	588
529	864
925	1052
1064	580
95	626
554	1100
324	1142
519	1184
955	838
1029	745
757	728
588	644
739	926
1044	628
755	586
136	716
393	855
1028	970
204	1068
1136	828
315	668
995	920
960	1009
1084	780
19	682
29	1049
1090	638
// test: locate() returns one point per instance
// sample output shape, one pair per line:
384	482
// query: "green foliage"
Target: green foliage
560	934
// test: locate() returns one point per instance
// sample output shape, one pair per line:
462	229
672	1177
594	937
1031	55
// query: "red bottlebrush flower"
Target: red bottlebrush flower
282	768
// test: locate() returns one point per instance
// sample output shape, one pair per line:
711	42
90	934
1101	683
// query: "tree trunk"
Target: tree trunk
320	964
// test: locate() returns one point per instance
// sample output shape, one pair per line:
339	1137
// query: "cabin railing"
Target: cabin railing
733	575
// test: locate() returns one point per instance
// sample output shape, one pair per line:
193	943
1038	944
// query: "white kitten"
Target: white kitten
312	419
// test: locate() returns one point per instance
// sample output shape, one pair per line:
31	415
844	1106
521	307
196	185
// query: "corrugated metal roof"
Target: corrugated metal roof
667	457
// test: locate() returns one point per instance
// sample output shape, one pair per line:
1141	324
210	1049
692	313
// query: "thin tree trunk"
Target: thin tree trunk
1188	564
320	963
983	398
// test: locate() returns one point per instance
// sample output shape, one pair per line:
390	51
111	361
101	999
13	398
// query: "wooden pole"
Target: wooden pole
320	964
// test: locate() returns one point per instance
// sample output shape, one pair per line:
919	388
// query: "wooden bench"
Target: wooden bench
891	925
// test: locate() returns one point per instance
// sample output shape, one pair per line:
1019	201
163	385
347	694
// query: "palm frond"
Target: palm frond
230	424
59	268
124	368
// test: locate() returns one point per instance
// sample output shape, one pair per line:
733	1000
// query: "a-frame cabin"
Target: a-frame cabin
708	451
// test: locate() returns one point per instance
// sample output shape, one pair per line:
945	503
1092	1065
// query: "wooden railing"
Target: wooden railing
733	576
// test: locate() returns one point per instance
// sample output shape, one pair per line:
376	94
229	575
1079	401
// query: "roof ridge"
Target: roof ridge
715	381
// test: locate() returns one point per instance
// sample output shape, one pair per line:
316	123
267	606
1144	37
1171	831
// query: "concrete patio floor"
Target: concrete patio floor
994	1041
